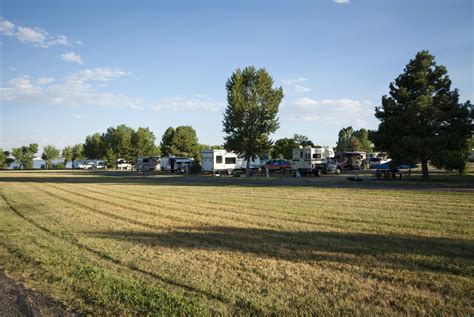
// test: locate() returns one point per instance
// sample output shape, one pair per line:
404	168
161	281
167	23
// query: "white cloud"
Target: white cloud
72	57
74	90
7	27
295	84
26	34
341	112
33	35
97	74
84	88
195	103
44	80
62	39
341	1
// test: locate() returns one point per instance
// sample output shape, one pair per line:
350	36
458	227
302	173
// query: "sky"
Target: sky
72	68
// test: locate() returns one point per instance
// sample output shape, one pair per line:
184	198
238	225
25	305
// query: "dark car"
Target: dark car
275	165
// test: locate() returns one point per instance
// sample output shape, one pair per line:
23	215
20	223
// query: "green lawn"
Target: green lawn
135	246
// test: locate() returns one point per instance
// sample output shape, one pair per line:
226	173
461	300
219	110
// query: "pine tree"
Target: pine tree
422	119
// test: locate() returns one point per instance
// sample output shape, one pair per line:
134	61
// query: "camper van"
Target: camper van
309	160
218	161
148	164
174	164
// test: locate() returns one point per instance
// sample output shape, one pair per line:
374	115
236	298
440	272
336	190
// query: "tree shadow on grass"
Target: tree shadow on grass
453	256
465	183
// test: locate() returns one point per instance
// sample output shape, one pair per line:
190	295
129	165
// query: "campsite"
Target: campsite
199	245
236	158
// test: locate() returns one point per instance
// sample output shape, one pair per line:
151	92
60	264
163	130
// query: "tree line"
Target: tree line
421	121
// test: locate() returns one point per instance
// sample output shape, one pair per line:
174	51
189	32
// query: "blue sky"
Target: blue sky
72	68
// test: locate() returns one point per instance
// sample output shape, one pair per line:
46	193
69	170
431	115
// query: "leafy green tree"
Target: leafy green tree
302	140
344	140
143	143
119	139
67	154
77	153
185	142
25	154
251	113
353	140
7	160
3	159
110	157
167	141
49	154
283	148
94	147
365	145
422	119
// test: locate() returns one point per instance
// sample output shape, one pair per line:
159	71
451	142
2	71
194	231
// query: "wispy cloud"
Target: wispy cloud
32	35
72	57
341	1
83	88
339	112
44	80
194	103
296	85
73	90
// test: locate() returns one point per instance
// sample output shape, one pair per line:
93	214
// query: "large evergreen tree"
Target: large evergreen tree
422	118
251	113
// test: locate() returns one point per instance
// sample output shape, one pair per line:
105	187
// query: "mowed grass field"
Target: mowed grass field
122	245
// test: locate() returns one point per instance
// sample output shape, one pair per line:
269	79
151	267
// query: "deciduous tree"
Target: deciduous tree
251	113
77	153
25	154
185	142
94	147
167	141
143	143
67	154
49	154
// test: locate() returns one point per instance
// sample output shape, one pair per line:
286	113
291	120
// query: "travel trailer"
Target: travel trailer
174	164
352	160
218	161
148	164
122	164
315	161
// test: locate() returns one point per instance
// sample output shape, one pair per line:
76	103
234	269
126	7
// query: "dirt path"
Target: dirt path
16	300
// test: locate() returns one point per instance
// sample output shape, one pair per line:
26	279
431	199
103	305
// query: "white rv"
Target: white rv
218	161
254	164
148	164
174	164
122	164
315	161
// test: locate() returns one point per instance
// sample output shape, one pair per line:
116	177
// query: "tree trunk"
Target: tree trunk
424	169
247	168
